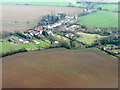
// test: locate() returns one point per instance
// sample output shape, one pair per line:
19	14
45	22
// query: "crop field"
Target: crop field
23	17
88	38
60	68
100	19
111	7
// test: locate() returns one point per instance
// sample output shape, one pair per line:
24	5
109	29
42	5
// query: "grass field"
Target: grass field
111	7
100	19
62	37
88	38
8	46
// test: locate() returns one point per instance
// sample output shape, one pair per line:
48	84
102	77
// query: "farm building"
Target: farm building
70	35
56	42
36	42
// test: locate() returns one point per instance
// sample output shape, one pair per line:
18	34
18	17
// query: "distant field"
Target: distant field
111	7
100	19
60	68
39	3
109	0
15	17
56	0
88	38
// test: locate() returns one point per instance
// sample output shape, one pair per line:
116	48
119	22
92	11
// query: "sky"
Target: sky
56	0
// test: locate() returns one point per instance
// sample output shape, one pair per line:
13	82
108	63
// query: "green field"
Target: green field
38	3
100	19
8	46
62	37
110	0
111	7
88	38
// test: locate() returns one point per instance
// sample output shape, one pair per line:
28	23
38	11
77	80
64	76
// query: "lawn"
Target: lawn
8	46
100	19
42	43
111	7
88	38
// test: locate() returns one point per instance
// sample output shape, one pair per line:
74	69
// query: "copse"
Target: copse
65	44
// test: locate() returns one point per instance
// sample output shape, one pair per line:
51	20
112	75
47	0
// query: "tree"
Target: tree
74	44
45	33
99	8
83	26
64	44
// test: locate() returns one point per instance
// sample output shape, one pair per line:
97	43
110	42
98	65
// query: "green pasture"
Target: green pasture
100	19
62	37
111	7
88	38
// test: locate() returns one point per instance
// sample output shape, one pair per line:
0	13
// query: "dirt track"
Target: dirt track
15	17
60	68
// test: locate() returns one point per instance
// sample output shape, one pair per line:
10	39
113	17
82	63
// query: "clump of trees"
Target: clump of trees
64	44
112	39
22	35
83	13
51	19
45	33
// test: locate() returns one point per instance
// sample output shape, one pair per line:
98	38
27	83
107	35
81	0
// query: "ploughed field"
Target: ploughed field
22	17
60	68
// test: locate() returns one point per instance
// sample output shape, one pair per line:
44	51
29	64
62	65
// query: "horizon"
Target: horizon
57	0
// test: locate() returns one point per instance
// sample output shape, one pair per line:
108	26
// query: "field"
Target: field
38	3
60	68
57	1
15	17
88	38
62	37
111	7
100	19
9	46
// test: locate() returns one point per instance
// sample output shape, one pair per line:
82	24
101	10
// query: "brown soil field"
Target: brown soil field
60	68
15	17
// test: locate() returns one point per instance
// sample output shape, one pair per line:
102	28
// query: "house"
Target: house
26	42
74	26
70	35
41	31
49	26
50	32
36	42
39	28
56	42
47	41
31	34
23	41
57	24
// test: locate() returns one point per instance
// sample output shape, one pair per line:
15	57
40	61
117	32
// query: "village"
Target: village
38	32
